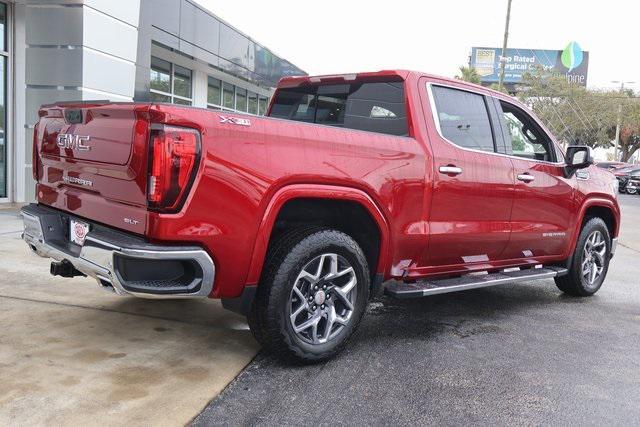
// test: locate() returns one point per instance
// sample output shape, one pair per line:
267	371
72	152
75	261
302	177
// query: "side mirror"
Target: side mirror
578	157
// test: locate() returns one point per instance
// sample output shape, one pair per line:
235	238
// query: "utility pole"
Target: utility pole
619	120
504	45
618	123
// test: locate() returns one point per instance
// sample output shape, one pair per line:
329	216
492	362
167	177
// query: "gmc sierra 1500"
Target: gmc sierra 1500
295	219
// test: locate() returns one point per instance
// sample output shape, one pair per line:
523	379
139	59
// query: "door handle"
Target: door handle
525	177
450	170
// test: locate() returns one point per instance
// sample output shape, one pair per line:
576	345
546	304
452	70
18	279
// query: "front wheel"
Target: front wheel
631	190
312	296
590	260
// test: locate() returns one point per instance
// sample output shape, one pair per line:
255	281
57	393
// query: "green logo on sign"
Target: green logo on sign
572	56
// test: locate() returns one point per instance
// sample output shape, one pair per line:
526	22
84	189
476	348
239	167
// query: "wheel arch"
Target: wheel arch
601	208
316	192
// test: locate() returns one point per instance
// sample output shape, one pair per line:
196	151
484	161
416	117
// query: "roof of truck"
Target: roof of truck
295	81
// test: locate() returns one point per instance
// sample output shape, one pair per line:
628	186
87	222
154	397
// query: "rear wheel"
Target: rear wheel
590	260
312	296
631	189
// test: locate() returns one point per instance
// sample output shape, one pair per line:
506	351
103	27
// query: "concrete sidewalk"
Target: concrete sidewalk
72	353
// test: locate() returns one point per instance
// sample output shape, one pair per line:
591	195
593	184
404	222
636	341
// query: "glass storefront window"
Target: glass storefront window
241	99
228	94
3	27
262	105
214	92
156	97
182	82
170	82
253	103
160	75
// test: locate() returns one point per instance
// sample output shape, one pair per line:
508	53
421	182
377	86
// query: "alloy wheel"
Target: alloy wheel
322	300
593	258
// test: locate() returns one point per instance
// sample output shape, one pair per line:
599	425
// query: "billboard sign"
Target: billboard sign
571	62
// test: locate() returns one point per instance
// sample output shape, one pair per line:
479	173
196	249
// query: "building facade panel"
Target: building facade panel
140	50
52	66
120	82
55	25
127	11
109	35
167	39
165	15
199	29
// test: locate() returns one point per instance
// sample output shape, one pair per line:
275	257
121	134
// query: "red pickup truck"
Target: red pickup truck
295	219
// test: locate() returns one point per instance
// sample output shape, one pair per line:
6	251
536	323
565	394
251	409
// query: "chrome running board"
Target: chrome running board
423	288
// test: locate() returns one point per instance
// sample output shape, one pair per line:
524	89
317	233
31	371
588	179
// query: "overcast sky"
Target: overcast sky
329	36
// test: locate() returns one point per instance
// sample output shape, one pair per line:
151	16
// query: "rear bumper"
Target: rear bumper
123	262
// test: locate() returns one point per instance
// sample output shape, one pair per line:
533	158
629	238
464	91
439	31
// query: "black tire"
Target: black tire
575	283
631	191
269	319
277	249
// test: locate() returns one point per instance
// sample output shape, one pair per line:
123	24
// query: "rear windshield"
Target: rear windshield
375	107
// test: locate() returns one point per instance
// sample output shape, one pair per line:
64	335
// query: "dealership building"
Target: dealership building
121	50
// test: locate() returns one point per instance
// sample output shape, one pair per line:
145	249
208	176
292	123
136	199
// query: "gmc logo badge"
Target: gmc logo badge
73	142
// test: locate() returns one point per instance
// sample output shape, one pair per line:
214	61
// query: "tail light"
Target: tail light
175	153
34	155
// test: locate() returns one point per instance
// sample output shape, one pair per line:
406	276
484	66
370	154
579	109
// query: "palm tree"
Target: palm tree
468	74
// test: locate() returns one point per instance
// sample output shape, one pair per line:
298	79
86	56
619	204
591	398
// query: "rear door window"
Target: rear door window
463	118
375	106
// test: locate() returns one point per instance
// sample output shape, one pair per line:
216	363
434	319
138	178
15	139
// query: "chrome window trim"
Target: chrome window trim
436	120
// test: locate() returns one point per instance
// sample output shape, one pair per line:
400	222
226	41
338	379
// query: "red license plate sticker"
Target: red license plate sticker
78	231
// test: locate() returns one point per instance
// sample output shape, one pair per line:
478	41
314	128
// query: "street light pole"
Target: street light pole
619	120
504	45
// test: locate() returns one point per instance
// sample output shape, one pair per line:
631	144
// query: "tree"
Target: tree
577	115
629	128
468	74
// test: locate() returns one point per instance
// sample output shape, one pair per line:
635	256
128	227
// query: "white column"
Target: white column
199	89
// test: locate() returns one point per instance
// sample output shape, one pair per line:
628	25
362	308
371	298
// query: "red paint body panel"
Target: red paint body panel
430	223
118	176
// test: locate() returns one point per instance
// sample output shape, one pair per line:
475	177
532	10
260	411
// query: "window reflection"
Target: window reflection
170	83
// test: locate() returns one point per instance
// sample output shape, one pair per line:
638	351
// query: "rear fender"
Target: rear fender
316	191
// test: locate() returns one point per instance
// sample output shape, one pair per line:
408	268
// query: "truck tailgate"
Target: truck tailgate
92	161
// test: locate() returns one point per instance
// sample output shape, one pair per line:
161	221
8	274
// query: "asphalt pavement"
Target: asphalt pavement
521	354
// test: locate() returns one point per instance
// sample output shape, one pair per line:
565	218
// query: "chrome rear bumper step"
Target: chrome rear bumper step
119	261
424	288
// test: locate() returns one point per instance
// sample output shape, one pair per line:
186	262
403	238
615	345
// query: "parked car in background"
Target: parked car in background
622	175
610	166
295	219
633	183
